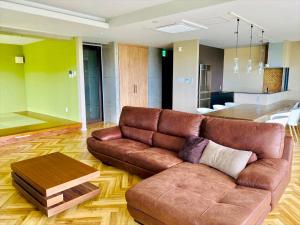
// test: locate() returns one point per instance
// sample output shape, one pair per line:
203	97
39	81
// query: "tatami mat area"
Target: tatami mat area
10	120
22	122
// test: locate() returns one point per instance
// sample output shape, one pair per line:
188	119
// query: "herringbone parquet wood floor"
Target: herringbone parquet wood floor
110	206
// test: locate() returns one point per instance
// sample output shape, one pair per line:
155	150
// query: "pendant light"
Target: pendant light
261	62
236	59
249	64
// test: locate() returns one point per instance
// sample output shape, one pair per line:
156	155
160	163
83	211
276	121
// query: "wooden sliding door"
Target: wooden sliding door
133	72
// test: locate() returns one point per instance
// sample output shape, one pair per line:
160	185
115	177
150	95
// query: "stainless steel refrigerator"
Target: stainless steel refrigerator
204	86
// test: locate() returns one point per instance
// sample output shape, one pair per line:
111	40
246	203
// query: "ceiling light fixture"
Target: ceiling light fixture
262	51
249	64
236	59
247	21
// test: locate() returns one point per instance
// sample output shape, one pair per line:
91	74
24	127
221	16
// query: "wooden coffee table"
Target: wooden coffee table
54	182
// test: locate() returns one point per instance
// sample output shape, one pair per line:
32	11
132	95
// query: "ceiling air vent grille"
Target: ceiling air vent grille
176	28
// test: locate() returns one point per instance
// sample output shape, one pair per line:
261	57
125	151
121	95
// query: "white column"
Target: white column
81	91
185	75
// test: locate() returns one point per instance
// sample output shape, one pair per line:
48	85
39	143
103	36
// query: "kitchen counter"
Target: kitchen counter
259	98
259	93
252	112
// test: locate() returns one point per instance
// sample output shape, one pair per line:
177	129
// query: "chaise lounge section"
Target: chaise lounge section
147	142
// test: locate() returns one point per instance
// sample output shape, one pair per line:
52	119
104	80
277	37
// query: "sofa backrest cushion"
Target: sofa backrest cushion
265	139
169	142
174	127
139	123
139	117
141	135
180	124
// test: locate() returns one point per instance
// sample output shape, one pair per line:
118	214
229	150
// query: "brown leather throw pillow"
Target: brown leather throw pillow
193	148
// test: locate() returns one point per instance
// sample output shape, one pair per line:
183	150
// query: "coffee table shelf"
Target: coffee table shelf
54	182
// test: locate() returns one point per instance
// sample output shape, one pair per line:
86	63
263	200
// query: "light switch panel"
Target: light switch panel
185	80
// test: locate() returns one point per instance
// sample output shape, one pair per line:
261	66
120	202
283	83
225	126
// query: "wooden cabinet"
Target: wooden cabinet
133	72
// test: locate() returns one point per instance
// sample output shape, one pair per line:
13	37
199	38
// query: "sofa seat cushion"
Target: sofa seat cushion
194	194
118	148
153	159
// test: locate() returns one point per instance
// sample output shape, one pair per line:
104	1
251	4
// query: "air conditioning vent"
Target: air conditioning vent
176	28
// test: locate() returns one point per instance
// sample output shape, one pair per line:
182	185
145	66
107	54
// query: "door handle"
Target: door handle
134	88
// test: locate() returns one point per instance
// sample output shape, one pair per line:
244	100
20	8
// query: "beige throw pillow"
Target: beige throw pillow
225	159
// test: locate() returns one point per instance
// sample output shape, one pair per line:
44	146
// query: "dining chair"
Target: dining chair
285	114
204	110
292	121
230	104
219	107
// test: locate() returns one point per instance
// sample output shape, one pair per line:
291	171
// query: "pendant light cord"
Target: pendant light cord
251	37
262	44
237	36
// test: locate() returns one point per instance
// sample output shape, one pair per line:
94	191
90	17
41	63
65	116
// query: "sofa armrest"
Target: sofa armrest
288	149
107	133
264	174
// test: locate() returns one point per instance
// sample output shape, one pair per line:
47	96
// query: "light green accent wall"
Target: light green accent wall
49	89
12	81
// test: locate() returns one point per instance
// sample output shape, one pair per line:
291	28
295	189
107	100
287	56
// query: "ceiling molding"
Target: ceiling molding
162	10
32	32
53	12
17	39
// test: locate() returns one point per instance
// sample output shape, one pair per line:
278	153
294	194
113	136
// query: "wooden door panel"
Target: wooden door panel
133	71
123	74
142	77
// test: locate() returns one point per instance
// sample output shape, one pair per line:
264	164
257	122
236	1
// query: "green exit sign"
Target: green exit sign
164	53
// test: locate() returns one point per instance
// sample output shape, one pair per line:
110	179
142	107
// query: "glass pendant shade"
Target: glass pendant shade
236	65
249	63
261	64
260	68
249	66
236	59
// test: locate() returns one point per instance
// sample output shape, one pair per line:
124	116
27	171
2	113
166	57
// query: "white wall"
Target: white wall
242	82
185	75
294	64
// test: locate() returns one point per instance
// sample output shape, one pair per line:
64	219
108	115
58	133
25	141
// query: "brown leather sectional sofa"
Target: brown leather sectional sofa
146	143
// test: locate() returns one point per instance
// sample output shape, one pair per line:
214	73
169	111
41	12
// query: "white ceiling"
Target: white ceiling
17	40
102	8
132	21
